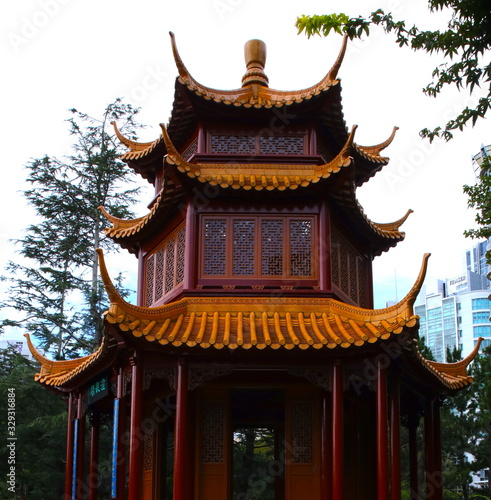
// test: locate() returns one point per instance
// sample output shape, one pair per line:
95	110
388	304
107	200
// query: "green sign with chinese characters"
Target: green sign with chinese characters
98	389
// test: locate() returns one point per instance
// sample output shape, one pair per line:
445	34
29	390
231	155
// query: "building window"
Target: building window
164	267
256	144
482	331
257	247
349	269
485	343
480	317
482	303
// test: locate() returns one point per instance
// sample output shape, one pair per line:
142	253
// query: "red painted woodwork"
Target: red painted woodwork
326	446
431	480
94	457
69	450
190	248
395	442
337	432
136	433
438	476
80	489
382	441
181	463
413	459
121	453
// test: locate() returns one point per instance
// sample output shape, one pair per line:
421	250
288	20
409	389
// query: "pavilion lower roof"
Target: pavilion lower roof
249	324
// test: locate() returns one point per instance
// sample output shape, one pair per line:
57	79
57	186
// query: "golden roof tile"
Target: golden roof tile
257	95
260	322
258	176
57	373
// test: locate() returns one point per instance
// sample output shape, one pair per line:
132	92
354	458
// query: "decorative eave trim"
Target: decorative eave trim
374	151
132	145
260	322
258	176
56	373
458	369
392	227
254	95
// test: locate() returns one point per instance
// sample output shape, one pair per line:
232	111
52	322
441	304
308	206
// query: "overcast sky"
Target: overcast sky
62	54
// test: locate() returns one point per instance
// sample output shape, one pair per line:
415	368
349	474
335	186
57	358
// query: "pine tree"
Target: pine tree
55	288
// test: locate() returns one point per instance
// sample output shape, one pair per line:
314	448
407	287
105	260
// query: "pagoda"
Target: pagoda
254	365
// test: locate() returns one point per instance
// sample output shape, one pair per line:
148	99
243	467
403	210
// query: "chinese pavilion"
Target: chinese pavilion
254	365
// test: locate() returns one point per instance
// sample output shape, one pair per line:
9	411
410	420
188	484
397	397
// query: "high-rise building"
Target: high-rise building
476	262
457	320
477	159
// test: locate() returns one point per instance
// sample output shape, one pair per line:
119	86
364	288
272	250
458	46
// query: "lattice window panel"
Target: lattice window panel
170	265
215	263
272	247
191	150
212	432
243	242
233	144
362	282
148	449
285	145
301	247
335	252
150	279
180	249
349	268
163	273
302	432
159	274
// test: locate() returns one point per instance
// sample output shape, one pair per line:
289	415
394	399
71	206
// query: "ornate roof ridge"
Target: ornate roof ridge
443	371
458	368
54	373
241	175
121	224
374	151
393	226
323	318
254	94
132	145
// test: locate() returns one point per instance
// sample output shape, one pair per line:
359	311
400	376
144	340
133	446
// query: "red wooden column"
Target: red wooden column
80	480
136	434
337	432
413	457
69	450
118	446
382	440
94	456
437	436
429	450
326	446
181	444
395	442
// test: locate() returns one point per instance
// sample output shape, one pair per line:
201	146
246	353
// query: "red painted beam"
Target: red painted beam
94	457
136	435
69	450
337	433
382	439
395	442
181	445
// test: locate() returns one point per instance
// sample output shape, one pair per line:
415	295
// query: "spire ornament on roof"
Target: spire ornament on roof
255	58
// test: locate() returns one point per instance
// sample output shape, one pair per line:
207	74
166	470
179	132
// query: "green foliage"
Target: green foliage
54	292
464	47
40	423
480	200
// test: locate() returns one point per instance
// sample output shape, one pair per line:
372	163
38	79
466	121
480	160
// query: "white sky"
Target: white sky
60	54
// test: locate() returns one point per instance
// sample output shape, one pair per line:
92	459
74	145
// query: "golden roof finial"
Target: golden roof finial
255	58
